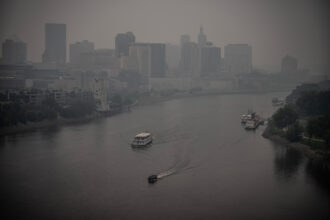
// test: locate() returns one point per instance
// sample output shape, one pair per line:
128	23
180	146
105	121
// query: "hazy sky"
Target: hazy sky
274	28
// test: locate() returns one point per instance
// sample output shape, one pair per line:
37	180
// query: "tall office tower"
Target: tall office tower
55	43
184	39
189	62
201	37
141	52
289	64
78	48
172	56
14	51
210	59
238	58
157	68
150	58
122	43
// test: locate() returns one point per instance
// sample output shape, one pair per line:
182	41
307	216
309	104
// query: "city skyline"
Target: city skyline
298	31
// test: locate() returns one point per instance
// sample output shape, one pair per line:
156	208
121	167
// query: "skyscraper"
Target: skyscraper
78	48
55	43
14	51
122	43
150	58
238	58
190	59
210	59
202	39
184	39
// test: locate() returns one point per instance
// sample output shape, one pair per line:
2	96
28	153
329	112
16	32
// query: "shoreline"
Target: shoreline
316	159
150	100
33	126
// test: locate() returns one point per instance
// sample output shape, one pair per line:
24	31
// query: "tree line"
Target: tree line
314	107
13	113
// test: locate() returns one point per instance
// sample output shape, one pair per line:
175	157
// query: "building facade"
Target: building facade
78	48
150	58
238	58
14	52
189	62
55	43
210	58
122	43
202	39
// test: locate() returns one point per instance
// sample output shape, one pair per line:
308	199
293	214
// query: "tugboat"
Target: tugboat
152	179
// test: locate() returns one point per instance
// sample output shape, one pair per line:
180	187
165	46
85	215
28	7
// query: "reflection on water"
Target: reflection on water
287	161
320	174
213	167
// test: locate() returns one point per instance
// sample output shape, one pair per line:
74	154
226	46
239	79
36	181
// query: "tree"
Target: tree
293	133
285	116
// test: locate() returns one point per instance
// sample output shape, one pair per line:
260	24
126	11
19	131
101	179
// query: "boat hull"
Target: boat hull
141	145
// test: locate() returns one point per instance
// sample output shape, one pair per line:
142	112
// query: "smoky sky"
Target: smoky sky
274	28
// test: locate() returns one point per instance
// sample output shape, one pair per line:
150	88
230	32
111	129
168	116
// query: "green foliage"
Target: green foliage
15	113
78	109
294	131
285	116
319	127
314	103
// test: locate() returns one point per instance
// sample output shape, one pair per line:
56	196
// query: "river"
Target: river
212	168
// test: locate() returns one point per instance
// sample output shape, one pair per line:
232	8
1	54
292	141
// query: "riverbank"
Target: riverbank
315	157
32	126
147	100
141	101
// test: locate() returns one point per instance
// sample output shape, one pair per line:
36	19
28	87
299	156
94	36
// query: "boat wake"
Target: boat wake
166	173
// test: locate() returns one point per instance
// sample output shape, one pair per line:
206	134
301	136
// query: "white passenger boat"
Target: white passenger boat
142	139
246	117
251	124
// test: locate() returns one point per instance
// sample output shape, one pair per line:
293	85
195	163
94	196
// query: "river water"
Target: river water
211	167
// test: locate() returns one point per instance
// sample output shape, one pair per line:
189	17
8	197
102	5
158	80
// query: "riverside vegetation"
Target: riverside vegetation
307	122
15	113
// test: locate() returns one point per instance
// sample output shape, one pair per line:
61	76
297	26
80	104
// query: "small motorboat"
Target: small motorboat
152	179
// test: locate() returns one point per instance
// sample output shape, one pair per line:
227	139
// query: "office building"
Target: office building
14	52
150	58
55	44
184	39
78	48
122	43
210	58
238	58
202	39
189	61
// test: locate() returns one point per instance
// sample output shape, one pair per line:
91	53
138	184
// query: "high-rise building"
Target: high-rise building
142	54
14	52
184	39
150	58
122	43
210	58
189	62
157	68
172	56
238	58
289	64
202	39
78	48
55	43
